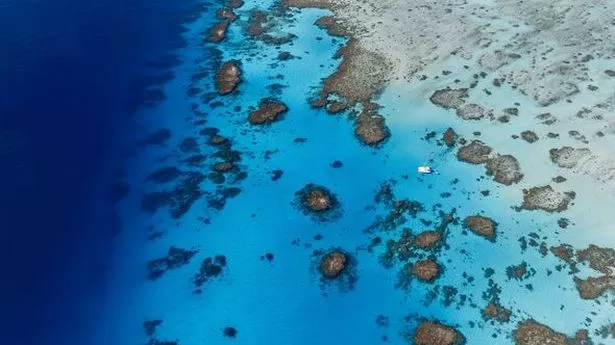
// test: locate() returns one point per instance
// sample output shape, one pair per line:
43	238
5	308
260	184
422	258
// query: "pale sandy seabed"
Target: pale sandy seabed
539	78
550	57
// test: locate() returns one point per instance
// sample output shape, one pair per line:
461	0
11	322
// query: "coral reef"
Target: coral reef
427	270
336	268
568	157
545	198
449	137
179	199
359	78
217	33
449	98
474	153
175	258
594	287
529	136
333	264
531	332
505	169
164	175
149	326
211	268
435	333
228	77
269	110
482	226
230	332
370	126
494	311
318	202
600	259
429	239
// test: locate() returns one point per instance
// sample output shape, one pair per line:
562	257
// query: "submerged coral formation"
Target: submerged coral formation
211	268
370	126
496	312
475	153
269	110
426	270
435	333
228	77
336	267
568	157
318	202
449	98
482	226
333	264
531	332
175	258
545	198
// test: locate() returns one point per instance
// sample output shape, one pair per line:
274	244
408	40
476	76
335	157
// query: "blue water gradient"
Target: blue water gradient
69	81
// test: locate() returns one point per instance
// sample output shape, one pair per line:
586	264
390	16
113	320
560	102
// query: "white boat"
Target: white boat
425	170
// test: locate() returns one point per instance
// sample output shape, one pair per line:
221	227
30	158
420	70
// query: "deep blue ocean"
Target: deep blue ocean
70	78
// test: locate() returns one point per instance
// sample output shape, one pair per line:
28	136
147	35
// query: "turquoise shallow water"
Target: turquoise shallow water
282	301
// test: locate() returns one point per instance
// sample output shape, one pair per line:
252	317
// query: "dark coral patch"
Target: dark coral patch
531	332
256	23
398	209
370	126
336	107
333	264
159	137
429	239
505	169
336	267
427	270
474	153
269	110
496	312
189	145
164	175
594	287
217	140
519	272
449	137
318	202
179	199
211	268
435	333
226	13
482	226
218	199
545	198
233	3
217	33
175	258
337	164
529	136
229	332
228	77
449	98
223	167
601	259
276	174
149	326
